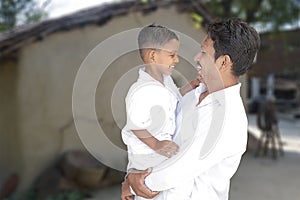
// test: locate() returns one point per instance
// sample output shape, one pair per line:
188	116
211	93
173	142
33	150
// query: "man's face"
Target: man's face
167	57
209	73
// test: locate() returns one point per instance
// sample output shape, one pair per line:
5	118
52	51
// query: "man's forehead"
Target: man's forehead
207	41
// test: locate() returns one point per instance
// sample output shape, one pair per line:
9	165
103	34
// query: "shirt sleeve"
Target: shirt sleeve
181	168
144	105
189	163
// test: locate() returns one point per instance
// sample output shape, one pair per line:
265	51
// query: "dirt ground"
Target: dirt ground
267	179
257	178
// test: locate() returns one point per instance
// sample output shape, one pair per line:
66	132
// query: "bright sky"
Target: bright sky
56	8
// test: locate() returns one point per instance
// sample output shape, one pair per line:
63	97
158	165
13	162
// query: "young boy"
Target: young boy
153	102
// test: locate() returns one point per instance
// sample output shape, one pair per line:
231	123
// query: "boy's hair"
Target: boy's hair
154	37
237	39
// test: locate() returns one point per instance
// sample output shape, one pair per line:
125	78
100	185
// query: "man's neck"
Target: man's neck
222	83
226	84
231	82
202	96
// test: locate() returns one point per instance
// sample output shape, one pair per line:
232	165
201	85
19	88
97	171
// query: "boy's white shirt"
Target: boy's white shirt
152	106
144	94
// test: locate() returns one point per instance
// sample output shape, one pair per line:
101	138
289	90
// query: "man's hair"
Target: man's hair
237	39
154	37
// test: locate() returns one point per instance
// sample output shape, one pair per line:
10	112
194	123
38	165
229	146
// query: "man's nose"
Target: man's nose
197	57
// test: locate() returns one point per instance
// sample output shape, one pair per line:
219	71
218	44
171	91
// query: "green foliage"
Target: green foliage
13	12
273	13
197	20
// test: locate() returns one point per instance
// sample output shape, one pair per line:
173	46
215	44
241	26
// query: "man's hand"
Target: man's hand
126	194
166	148
136	180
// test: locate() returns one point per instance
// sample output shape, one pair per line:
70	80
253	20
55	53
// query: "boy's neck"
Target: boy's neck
155	74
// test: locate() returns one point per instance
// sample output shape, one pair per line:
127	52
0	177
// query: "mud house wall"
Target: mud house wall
36	113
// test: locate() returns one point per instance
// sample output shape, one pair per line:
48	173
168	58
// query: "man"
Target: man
216	119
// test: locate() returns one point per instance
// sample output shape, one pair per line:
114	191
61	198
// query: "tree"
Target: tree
13	12
269	13
279	48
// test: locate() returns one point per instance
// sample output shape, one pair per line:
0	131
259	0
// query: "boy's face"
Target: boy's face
167	57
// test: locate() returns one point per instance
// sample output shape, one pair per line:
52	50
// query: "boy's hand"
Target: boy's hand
166	148
195	83
126	194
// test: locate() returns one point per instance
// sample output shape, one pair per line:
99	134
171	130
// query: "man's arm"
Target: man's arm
184	166
188	164
217	137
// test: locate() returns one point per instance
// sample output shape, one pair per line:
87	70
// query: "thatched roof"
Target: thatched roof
12	40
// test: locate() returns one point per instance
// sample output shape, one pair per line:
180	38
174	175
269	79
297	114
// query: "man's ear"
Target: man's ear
224	63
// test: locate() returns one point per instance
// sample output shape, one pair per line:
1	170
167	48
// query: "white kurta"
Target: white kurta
153	106
212	139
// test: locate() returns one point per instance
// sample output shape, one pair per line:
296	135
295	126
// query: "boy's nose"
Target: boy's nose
176	59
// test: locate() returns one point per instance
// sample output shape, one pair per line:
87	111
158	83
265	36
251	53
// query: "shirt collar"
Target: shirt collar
144	76
200	89
219	97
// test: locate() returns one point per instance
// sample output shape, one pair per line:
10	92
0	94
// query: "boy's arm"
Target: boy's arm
165	147
188	87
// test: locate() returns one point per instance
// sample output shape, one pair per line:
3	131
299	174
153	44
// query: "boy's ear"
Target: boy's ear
150	56
153	56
